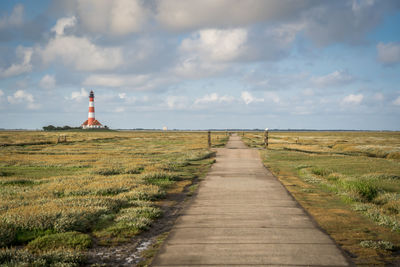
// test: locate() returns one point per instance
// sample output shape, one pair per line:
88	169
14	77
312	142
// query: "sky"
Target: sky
201	64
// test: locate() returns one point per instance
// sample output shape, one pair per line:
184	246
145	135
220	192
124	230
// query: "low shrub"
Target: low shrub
360	206
8	234
392	207
144	192
23	235
62	215
137	218
17	182
19	257
320	171
67	240
385	245
161	179
112	170
334	177
386	197
134	169
365	189
382	219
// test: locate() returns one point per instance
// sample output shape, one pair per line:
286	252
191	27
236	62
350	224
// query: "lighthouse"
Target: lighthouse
91	122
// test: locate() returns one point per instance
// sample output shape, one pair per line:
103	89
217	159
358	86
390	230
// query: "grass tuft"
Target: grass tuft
19	257
365	189
321	171
67	240
384	245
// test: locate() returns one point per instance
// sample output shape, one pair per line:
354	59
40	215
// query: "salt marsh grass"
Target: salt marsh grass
101	185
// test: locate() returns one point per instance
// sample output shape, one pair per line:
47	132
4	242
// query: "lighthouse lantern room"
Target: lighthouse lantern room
91	122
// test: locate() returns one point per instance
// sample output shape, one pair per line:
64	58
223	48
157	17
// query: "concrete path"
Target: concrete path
243	215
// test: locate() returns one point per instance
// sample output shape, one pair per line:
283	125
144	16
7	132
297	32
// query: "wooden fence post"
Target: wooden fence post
266	138
209	138
61	139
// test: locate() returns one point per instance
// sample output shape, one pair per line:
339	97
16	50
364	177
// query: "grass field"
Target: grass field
348	181
57	199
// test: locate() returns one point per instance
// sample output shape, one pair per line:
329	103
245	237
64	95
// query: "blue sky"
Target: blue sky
201	64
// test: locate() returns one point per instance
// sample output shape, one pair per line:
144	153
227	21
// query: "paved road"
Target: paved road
243	215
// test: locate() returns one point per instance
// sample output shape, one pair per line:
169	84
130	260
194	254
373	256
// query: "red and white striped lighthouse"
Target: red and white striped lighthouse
91	122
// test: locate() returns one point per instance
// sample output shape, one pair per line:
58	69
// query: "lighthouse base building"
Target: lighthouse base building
91	122
95	124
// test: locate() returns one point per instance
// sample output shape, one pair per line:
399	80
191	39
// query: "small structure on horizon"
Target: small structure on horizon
91	122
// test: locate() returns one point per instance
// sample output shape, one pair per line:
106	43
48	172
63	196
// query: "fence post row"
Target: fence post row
61	139
266	138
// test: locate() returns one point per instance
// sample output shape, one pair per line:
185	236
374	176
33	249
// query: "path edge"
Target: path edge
344	253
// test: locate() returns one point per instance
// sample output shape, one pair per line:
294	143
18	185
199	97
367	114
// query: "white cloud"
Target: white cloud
248	98
176	102
127	99
62	24
207	52
215	44
195	14
114	80
23	97
195	67
397	101
388	53
81	54
24	54
79	95
14	19
214	98
48	82
117	17
353	99
335	78
127	16
324	22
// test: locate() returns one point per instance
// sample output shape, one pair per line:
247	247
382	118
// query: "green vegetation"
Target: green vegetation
57	128
348	181
55	198
67	240
21	257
